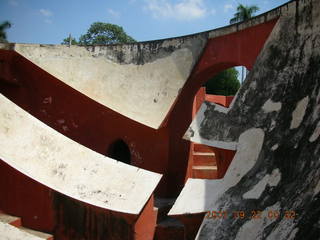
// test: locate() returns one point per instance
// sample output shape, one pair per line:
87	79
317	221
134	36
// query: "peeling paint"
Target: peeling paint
298	113
316	189
271	180
274	147
315	134
250	144
254	228
270	106
282	230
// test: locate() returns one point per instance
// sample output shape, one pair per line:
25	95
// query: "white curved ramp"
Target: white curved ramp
115	77
56	161
200	195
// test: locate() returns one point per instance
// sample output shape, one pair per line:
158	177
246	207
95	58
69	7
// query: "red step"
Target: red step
169	229
204	159
205	172
202	148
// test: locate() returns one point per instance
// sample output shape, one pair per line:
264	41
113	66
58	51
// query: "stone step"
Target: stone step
211	154
169	229
205	172
12	229
204	160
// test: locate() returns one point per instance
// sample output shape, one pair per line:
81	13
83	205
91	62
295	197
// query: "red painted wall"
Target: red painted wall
235	49
45	210
26	198
219	99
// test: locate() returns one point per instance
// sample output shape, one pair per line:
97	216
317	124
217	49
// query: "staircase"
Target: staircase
204	162
12	229
207	162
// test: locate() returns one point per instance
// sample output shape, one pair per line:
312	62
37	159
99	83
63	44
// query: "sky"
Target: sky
50	21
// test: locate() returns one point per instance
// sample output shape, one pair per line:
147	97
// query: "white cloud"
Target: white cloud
47	15
183	10
48	21
227	7
13	2
46	12
113	13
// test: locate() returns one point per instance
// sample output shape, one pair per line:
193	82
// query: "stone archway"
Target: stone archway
119	151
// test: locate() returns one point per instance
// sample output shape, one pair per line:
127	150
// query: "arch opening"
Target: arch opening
226	82
218	87
119	151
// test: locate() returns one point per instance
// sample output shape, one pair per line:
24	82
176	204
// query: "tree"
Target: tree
224	83
101	33
244	13
66	41
3	26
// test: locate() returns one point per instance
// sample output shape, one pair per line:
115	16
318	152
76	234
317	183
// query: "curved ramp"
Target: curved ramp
142	88
52	159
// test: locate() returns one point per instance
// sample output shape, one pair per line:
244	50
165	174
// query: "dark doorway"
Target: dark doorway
119	151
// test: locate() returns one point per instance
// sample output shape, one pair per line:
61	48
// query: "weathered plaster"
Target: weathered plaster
270	106
315	134
298	113
284	105
271	180
283	230
253	229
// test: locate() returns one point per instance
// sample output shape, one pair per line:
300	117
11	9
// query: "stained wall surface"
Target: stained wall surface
273	124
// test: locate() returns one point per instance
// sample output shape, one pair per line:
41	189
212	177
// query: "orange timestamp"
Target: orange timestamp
254	214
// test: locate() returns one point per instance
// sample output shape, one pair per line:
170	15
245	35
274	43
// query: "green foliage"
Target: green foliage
101	33
244	13
3	26
224	83
66	41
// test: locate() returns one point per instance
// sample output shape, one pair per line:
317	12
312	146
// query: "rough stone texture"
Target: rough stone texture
59	163
280	99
